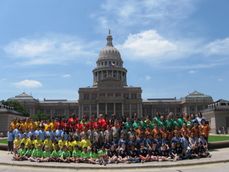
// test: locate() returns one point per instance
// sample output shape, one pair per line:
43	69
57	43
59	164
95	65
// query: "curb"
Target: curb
131	166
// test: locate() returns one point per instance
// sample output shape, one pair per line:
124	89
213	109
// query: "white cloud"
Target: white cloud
150	46
220	79
128	13
192	71
218	47
148	43
66	76
49	49
148	78
28	84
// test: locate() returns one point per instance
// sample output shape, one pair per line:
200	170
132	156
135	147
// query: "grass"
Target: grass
3	141
218	138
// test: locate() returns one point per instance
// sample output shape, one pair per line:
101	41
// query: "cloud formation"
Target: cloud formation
128	13
151	47
49	49
28	84
66	76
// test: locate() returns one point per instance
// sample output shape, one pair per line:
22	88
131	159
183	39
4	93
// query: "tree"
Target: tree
16	105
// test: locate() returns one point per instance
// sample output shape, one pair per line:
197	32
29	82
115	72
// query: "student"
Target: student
93	156
122	153
103	158
164	152
16	143
173	152
46	154
193	142
113	155
10	139
75	154
19	155
133	155
143	153
36	154
84	155
54	157
64	154
29	151
154	152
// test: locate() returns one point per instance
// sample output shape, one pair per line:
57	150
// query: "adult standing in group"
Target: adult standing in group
10	139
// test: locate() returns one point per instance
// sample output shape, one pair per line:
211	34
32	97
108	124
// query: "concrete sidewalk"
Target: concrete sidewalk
218	156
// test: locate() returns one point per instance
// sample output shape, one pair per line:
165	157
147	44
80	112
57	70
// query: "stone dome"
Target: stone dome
109	52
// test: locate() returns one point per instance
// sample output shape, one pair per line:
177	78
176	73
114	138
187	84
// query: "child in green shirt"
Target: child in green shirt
54	157
75	154
29	151
94	156
46	154
20	154
84	155
64	154
36	154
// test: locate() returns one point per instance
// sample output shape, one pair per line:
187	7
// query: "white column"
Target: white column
79	111
138	107
114	109
106	108
122	109
82	112
97	108
90	110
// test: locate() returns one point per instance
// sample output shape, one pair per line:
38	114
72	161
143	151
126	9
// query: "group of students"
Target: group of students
105	140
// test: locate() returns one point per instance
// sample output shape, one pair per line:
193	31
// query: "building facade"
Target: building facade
217	114
7	114
111	95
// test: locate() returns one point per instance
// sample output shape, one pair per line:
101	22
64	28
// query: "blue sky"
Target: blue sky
48	48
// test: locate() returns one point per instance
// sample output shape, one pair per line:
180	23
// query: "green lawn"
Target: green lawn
4	141
218	138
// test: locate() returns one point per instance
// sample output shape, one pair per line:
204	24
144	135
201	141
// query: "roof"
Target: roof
109	52
23	96
47	101
197	94
222	101
161	100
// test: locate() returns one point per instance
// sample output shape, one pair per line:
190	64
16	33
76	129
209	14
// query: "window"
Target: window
86	97
93	96
110	94
118	95
133	96
126	96
86	108
102	95
114	74
223	104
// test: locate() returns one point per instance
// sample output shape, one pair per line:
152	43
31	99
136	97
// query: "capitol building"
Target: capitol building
111	95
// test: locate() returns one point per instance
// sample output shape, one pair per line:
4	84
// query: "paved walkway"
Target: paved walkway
218	156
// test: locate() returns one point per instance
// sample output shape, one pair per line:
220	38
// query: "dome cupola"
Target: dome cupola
109	54
109	69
